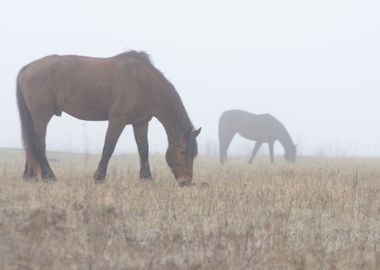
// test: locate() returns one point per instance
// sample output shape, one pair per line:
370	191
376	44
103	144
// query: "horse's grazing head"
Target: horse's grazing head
180	156
291	154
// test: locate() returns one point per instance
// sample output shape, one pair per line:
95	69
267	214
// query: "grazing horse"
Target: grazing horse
262	128
124	89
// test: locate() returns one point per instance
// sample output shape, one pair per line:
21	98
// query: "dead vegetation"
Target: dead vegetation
317	214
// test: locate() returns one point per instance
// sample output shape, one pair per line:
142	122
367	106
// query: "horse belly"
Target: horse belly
250	136
84	109
87	115
253	133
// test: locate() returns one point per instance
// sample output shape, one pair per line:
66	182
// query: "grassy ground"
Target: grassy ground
317	214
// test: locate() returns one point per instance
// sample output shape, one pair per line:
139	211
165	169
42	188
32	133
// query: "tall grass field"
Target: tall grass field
319	213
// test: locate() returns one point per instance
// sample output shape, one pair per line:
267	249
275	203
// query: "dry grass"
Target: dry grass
317	214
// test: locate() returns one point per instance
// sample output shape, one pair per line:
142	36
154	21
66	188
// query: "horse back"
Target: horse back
88	88
256	127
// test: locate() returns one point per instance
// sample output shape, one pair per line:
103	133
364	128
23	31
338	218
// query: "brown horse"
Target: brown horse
262	128
124	89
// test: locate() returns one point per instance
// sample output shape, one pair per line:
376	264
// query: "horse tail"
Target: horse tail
27	130
226	132
222	140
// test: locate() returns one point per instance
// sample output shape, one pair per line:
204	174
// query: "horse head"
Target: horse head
180	156
291	153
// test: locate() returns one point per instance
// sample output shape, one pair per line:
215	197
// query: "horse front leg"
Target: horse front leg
254	152
271	152
114	130
140	132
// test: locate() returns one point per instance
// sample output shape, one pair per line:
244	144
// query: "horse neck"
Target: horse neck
285	139
171	113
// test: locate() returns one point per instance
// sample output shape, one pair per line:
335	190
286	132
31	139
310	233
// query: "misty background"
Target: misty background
314	65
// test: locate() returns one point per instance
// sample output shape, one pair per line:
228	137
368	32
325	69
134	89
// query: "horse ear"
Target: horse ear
196	132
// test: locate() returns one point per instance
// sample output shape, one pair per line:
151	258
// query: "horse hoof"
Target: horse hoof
99	181
48	177
185	183
29	177
204	185
99	178
146	178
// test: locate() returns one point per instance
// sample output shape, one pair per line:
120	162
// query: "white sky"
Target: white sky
315	65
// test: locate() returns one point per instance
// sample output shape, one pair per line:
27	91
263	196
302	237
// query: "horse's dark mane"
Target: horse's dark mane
185	122
285	134
141	56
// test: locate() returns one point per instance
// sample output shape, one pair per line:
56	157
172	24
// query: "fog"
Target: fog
314	65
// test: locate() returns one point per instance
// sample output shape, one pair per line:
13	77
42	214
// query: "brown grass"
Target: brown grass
318	214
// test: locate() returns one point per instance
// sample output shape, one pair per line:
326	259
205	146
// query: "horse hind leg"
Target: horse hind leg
39	145
225	138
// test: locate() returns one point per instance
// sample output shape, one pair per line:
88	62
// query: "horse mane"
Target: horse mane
185	122
139	55
285	133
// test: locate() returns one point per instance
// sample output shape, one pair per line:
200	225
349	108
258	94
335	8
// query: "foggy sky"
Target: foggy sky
314	65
